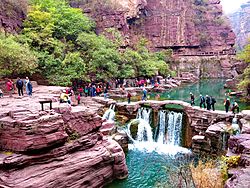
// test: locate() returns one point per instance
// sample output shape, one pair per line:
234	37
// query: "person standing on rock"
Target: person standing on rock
208	102
26	81
79	98
19	85
129	97
9	86
235	107
202	101
30	87
192	99
213	101
144	94
227	104
105	93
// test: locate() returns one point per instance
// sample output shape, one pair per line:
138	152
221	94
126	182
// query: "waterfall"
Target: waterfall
144	132
168	135
162	127
110	113
235	126
174	128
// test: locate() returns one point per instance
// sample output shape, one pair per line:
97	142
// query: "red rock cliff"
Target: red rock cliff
12	13
189	27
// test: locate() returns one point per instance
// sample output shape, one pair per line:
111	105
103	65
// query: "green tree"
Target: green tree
101	55
15	58
51	30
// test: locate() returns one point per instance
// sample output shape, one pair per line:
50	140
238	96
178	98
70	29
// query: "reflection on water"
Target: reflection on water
214	87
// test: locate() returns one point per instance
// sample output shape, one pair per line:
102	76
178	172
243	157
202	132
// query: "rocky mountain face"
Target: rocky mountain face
12	14
195	30
189	27
240	21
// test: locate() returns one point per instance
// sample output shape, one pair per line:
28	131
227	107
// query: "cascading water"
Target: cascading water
168	136
174	128
110	113
162	127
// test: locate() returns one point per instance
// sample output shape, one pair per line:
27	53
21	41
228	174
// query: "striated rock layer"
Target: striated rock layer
58	148
186	26
196	31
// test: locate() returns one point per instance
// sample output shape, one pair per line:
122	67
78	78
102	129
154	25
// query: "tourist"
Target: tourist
227	104
208	102
30	87
19	85
144	95
129	97
10	88
105	93
158	80
79	98
80	90
152	82
235	107
64	97
73	99
98	90
202	101
86	90
26	81
213	101
192	99
1	93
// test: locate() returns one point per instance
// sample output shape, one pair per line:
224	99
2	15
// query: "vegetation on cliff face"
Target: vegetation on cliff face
61	43
245	56
15	58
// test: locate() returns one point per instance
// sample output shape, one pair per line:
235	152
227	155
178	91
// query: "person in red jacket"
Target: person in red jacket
129	97
9	86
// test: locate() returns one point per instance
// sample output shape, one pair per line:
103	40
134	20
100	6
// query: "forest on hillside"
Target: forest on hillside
59	43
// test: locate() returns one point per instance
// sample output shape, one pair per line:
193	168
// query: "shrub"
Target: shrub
206	174
15	58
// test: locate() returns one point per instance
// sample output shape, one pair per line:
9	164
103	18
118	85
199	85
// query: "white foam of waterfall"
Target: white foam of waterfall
162	127
235	126
144	140
174	128
144	133
110	113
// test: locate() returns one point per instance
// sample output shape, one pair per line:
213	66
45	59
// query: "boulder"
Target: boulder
33	133
88	168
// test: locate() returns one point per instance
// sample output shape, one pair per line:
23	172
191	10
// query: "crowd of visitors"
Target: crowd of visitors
80	89
208	102
11	87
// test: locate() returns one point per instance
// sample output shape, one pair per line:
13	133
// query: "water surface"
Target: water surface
211	87
146	169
